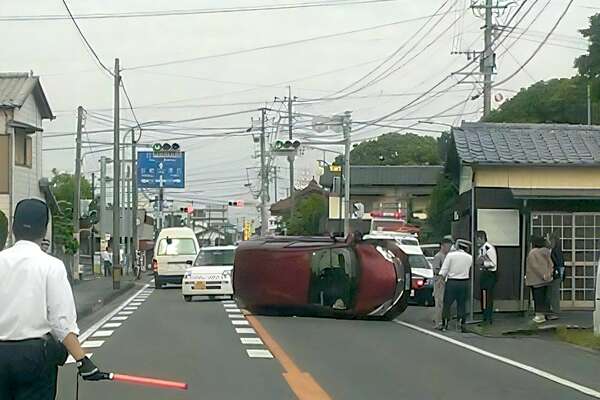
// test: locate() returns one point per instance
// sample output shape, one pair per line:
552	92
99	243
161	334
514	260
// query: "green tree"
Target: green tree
63	188
588	64
440	210
307	216
3	229
395	149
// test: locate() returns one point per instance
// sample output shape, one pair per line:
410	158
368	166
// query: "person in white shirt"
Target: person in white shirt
456	270
38	322
487	261
105	255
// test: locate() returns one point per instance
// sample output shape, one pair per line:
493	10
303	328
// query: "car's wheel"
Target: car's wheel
187	298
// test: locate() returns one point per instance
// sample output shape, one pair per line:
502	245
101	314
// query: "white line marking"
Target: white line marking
233	310
111	325
108	316
90	344
256	353
243	322
251	340
516	364
228	302
126	313
135	304
119	318
71	360
130	308
232	316
102	333
245	330
229	305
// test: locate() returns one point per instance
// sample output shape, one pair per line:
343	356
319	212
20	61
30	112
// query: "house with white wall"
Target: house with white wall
23	107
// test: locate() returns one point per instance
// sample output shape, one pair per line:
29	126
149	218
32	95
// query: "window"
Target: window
418	261
4	147
215	257
23	150
176	247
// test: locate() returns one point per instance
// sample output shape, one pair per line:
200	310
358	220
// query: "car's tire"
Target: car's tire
187	298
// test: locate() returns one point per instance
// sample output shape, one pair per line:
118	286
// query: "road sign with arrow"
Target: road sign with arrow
164	171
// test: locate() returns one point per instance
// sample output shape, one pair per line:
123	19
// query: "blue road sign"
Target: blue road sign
155	171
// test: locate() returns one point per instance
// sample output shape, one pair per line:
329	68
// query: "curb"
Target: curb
85	310
533	330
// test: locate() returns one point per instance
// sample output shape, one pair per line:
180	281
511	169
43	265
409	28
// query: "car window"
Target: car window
176	247
215	257
418	261
430	251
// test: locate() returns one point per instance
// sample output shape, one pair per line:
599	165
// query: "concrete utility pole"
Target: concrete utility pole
347	127
488	62
102	197
92	229
134	199
77	199
589	104
116	237
291	156
275	182
264	176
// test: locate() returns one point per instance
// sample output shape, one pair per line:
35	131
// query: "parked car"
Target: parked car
321	276
430	250
211	275
175	250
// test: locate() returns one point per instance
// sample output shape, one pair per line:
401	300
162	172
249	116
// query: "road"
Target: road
157	334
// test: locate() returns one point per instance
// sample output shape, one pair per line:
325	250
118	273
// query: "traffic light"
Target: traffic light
163	148
287	145
235	203
187	210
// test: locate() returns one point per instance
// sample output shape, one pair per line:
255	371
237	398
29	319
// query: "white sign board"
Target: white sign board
502	226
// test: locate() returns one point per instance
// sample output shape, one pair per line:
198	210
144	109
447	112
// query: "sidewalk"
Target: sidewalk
92	294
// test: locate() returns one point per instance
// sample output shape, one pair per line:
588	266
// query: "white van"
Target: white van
174	251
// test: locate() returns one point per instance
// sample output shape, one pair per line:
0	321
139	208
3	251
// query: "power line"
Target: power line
166	13
89	46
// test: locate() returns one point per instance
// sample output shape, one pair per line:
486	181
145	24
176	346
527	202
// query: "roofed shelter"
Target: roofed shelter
517	180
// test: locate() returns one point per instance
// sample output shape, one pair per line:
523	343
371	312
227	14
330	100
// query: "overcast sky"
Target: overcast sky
70	76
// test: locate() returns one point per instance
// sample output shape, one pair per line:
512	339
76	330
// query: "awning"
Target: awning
556	194
28	128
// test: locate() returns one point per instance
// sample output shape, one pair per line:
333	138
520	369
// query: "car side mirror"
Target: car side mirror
189	262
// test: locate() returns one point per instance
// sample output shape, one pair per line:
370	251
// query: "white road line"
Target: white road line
130	308
137	303
238	322
251	340
106	333
119	318
230	305
233	310
516	364
245	330
108	316
258	353
228	302
232	316
111	325
126	313
91	344
71	360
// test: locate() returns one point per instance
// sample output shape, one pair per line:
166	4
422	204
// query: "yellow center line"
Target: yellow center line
304	386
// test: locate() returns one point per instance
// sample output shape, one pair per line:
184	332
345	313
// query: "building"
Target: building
515	180
383	188
23	108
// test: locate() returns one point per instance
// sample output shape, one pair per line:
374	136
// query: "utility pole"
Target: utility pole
264	176
127	239
347	127
589	103
77	199
116	237
275	181
92	247
134	199
291	156
488	61
102	197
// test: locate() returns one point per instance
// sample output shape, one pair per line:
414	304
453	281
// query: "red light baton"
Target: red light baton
141	380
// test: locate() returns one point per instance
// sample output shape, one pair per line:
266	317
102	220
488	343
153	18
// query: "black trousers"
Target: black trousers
25	372
540	299
456	290
487	282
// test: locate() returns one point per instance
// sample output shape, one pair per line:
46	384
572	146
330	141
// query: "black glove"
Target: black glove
89	371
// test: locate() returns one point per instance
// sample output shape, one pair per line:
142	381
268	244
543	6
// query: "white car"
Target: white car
211	275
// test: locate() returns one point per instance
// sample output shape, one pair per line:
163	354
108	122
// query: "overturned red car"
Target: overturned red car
321	276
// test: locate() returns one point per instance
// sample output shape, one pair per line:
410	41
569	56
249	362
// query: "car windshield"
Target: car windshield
388	226
215	257
418	261
176	247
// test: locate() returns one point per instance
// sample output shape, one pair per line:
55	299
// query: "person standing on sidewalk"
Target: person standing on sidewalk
439	283
487	261
538	276
105	255
37	317
456	271
558	260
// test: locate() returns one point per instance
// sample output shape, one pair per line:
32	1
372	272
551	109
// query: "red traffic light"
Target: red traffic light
236	203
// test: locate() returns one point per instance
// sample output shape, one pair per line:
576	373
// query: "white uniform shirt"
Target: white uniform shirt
457	265
490	257
35	295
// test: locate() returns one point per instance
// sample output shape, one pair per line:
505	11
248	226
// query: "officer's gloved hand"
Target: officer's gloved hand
89	371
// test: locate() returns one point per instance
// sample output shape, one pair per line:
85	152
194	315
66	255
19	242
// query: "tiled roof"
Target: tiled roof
537	144
15	87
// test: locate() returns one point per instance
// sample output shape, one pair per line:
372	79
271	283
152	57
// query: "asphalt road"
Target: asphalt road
162	336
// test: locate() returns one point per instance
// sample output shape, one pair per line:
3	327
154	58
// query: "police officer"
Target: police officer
439	282
37	313
487	261
456	269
